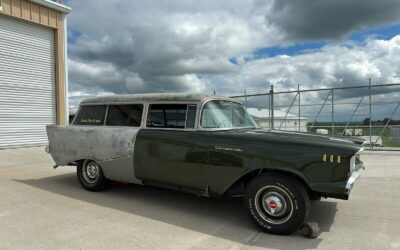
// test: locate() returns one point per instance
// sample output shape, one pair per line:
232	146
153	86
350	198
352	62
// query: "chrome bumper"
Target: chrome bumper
359	168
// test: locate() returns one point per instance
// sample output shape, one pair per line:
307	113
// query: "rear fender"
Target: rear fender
72	143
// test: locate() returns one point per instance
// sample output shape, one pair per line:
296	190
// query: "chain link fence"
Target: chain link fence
395	134
368	111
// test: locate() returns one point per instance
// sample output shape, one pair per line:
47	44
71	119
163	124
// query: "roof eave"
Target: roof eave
53	5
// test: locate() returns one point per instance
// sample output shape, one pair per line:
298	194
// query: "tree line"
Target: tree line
381	122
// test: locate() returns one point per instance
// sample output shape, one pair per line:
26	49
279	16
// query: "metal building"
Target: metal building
33	78
282	120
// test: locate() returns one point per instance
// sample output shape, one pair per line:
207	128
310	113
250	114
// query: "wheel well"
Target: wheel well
238	187
79	161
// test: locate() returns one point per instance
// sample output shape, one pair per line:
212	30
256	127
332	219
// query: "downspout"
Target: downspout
66	111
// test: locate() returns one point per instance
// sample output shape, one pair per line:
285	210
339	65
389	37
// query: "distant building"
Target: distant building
33	78
353	132
322	131
289	122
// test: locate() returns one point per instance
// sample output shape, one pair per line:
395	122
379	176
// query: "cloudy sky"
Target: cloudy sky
201	46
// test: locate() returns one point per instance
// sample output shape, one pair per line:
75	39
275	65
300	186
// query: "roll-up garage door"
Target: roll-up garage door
27	83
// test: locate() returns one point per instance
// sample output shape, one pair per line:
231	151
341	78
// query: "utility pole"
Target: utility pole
333	114
370	114
271	98
298	92
245	97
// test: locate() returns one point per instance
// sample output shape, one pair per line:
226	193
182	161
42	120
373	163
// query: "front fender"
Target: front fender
233	156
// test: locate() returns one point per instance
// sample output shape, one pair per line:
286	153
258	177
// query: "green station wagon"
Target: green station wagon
207	145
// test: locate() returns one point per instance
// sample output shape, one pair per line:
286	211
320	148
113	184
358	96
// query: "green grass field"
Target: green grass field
387	138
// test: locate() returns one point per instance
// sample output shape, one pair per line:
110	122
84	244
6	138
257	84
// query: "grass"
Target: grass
387	139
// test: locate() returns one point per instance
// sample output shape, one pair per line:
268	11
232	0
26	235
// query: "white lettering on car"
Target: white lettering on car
228	149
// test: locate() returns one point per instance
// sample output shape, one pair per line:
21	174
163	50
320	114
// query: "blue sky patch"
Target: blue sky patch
73	35
233	60
288	50
384	33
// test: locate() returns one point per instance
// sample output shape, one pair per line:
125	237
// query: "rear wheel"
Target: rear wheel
90	176
277	204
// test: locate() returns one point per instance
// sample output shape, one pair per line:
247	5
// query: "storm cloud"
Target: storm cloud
182	46
326	19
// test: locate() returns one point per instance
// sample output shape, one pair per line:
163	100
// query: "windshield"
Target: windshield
225	114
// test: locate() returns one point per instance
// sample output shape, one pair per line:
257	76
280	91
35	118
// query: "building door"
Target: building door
27	83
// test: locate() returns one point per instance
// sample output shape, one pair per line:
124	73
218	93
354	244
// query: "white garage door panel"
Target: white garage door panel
27	83
24	55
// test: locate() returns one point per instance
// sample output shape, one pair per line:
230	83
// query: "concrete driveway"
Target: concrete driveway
42	208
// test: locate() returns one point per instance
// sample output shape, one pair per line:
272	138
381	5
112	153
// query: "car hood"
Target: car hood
300	138
338	138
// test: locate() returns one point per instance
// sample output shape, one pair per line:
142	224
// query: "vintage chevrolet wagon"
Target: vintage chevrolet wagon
207	145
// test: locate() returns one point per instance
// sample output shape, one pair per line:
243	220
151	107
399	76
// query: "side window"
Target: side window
125	115
171	116
91	115
191	116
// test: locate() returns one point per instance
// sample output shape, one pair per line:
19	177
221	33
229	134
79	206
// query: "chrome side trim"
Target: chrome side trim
223	129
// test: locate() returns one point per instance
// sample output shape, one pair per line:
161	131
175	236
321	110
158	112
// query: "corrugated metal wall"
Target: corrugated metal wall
27	82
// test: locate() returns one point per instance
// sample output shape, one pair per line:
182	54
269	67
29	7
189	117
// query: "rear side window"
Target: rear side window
125	115
170	116
91	115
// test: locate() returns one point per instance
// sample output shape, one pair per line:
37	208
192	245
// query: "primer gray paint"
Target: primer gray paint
100	143
120	169
111	147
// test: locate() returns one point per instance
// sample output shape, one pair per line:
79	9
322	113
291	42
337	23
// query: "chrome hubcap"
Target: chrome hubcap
90	171
273	204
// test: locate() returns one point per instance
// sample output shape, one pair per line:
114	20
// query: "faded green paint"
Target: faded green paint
172	157
193	160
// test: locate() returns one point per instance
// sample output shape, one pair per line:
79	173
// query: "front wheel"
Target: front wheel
277	204
90	176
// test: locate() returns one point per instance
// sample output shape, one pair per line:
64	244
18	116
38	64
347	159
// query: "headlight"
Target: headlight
354	159
352	163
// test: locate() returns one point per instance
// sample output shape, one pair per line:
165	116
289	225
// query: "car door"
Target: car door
169	150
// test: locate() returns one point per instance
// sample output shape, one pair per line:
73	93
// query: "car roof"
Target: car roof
169	97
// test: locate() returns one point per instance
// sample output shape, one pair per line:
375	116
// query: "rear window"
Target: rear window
91	115
171	116
125	115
